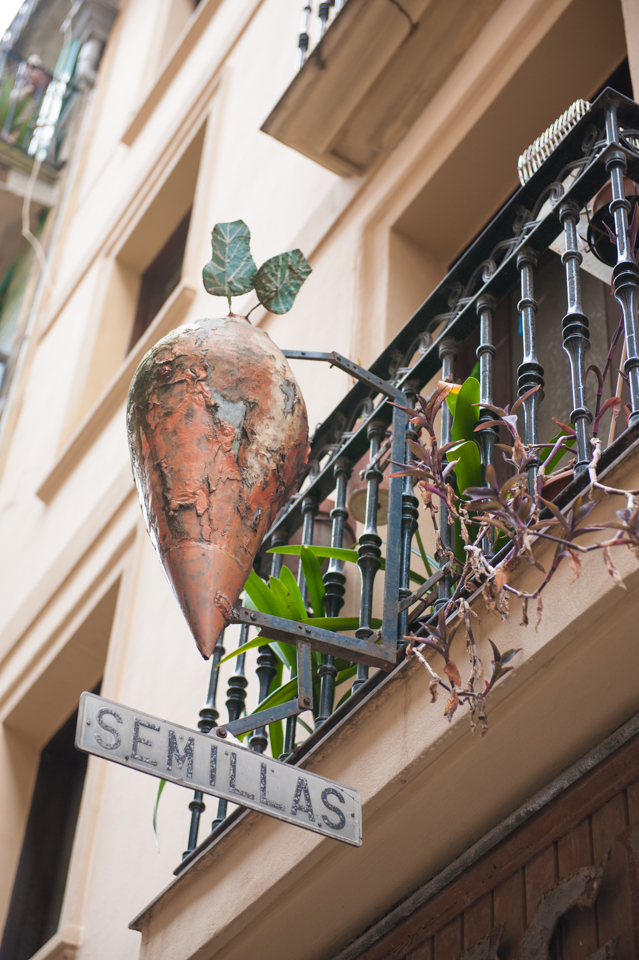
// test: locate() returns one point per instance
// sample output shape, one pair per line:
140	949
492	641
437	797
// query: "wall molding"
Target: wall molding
172	314
171	67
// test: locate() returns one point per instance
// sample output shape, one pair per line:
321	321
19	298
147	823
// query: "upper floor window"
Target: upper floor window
160	279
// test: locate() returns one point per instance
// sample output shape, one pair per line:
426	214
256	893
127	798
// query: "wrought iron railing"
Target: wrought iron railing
598	147
35	106
316	19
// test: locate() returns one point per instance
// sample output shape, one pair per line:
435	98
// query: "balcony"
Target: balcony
493	319
363	84
41	94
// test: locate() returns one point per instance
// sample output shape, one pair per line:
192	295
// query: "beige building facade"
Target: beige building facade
382	159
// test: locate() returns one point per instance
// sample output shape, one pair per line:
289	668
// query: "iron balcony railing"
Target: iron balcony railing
593	146
316	18
35	106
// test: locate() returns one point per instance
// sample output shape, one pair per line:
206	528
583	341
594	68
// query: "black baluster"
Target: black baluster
324	9
486	353
208	719
575	332
625	274
447	355
235	697
369	552
530	373
309	512
303	41
265	670
410	515
334	581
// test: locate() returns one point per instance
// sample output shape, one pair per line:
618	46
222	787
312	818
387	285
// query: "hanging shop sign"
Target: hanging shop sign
215	764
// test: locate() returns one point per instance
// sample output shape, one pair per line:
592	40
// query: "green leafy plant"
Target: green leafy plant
490	515
282	597
232	271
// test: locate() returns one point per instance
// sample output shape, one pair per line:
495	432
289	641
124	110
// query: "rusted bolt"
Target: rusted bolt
221	732
306	701
253	617
308	629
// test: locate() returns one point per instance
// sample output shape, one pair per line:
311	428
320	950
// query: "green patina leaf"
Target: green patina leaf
231	270
279	279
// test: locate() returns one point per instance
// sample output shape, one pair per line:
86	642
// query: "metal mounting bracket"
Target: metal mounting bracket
365	376
326	641
307	638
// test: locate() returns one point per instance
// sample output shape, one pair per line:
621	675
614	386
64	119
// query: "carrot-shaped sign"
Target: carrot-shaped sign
218	435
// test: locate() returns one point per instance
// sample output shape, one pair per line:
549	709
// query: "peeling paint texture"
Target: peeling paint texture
218	436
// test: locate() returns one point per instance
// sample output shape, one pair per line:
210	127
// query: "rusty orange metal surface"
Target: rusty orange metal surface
218	435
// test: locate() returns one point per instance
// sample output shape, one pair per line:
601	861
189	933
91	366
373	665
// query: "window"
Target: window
38	890
160	279
138	281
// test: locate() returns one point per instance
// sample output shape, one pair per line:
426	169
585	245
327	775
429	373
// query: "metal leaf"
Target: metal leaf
231	270
278	281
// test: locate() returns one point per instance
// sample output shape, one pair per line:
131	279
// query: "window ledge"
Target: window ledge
171	315
348	103
62	946
169	70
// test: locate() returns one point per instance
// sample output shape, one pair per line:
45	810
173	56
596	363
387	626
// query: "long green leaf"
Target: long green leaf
338	623
249	645
161	787
314	582
261	596
334	553
276	738
466	413
290	583
545	453
344	698
423	554
468	466
340	678
284	600
338	553
231	270
276	682
286	692
412	574
287	652
278	281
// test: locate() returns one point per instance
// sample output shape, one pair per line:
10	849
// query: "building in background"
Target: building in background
48	60
381	142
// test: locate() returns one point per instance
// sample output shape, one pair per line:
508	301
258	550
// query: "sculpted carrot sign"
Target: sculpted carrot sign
220	766
218	436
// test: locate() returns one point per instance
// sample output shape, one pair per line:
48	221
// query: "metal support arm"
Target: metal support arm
342	363
326	641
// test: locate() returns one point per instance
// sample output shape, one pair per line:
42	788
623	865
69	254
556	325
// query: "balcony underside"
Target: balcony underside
370	77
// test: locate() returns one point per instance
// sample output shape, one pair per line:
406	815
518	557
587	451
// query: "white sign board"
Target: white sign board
216	765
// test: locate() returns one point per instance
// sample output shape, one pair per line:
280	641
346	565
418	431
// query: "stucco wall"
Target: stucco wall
71	525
